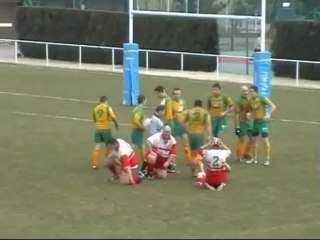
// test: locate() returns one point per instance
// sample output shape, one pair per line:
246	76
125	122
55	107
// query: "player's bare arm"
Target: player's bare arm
209	104
236	116
208	127
129	172
229	110
273	107
228	167
115	122
149	147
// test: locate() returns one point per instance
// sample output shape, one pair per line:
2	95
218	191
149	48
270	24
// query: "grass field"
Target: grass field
48	189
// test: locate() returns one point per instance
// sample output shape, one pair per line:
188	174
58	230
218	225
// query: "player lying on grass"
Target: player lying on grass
121	161
215	160
162	150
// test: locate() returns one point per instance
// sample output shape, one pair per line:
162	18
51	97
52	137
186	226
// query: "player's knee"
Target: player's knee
124	178
201	175
151	157
97	146
161	174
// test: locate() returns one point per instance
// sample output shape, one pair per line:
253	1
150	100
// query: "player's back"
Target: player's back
137	117
101	115
215	158
197	120
124	147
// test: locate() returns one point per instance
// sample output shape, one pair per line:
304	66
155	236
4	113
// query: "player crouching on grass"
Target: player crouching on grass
121	161
215	176
162	150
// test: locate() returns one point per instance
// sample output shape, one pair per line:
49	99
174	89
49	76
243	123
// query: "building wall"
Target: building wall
7	15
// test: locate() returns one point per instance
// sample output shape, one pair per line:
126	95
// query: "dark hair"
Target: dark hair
197	103
141	99
254	88
103	99
159	88
160	108
176	89
216	85
111	141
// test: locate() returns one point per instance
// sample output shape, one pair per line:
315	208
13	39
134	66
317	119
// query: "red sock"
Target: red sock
150	168
137	180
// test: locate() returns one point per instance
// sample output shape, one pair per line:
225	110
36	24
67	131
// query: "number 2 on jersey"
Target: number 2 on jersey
196	117
215	163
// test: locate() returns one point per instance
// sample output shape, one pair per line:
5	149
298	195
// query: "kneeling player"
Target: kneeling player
162	149
121	161
215	176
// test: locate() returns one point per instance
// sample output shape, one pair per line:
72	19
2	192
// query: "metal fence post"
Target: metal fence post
112	59
47	54
297	73
147	61
80	56
218	65
16	51
182	62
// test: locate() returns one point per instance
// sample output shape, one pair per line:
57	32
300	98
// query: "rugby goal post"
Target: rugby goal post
262	59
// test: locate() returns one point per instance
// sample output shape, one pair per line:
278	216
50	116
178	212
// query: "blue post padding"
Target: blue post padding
130	73
263	73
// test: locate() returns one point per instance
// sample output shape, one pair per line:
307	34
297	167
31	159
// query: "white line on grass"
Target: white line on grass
53	97
90	101
123	124
60	117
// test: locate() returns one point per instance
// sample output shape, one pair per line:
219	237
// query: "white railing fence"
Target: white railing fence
223	61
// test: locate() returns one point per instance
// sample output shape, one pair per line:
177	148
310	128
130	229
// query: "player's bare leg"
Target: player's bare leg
254	149
96	155
186	147
140	152
151	160
112	163
267	148
160	173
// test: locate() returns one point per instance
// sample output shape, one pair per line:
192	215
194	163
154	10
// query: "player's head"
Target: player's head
160	110
142	100
244	91
160	91
253	91
113	143
166	132
103	99
197	103
216	89
176	93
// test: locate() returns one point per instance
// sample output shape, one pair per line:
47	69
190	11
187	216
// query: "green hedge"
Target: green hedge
297	40
111	29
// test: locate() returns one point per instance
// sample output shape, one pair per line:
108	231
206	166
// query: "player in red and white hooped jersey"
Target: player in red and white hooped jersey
121	161
215	160
162	150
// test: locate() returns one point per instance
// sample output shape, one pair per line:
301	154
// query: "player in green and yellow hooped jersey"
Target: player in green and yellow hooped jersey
261	119
138	130
102	116
219	106
243	125
198	125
